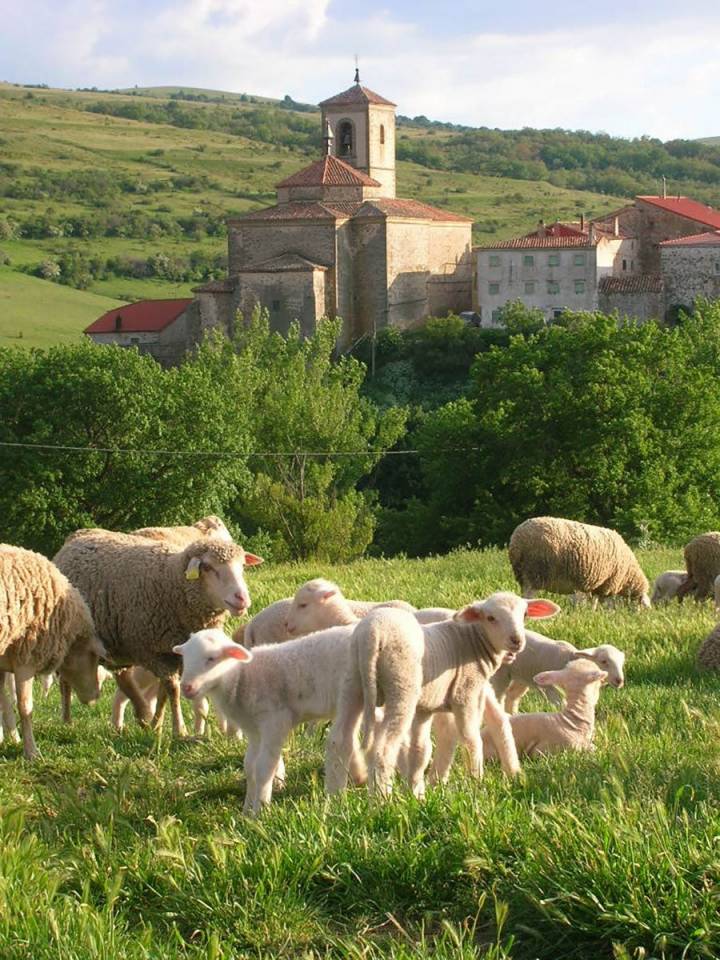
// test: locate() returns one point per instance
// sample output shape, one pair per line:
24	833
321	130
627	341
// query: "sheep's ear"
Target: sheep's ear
541	609
236	651
548	678
589	654
600	675
251	560
179	648
192	570
326	594
470	614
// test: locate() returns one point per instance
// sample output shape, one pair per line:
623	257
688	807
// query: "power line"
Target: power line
224	454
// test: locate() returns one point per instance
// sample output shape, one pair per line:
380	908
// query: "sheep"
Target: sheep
45	625
708	655
716	592
702	560
267	691
512	680
270	625
666	586
418	671
146	597
211	526
570	729
565	556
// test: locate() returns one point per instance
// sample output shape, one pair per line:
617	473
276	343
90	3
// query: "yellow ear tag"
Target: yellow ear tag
193	573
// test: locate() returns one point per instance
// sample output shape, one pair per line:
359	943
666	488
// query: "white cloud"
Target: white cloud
662	79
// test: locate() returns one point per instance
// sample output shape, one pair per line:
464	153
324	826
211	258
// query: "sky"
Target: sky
627	67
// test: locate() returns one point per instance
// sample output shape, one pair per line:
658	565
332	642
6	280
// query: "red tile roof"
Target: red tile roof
533	242
641	283
409	209
356	94
709	239
145	316
329	171
685	207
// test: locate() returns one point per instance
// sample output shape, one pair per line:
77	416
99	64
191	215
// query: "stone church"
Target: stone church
338	242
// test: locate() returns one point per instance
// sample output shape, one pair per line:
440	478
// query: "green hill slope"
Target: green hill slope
38	313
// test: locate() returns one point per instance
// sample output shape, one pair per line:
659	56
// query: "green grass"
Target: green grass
54	131
130	845
37	313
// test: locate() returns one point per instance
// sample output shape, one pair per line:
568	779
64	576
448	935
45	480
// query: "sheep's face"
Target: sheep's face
607	658
312	608
220	568
207	655
577	677
81	668
502	617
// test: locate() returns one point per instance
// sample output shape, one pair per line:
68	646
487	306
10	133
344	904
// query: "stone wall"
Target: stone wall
690	272
252	241
382	155
645	305
288	296
369	266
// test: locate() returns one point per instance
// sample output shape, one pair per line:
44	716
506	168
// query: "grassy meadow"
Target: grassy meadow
52	131
132	845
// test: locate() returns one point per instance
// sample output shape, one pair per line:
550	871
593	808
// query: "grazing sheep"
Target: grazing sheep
266	692
416	671
45	625
146	597
513	680
666	586
702	561
708	655
570	729
565	556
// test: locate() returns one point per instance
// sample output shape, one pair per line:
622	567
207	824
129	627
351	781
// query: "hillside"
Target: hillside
130	208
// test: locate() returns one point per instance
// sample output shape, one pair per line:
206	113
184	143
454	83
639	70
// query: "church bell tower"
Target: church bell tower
359	128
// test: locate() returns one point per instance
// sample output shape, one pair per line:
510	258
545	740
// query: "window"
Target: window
624	264
134	341
382	133
494	288
345	144
717	266
558	313
632	266
553	287
530	286
497	315
579	286
276	304
494	260
554	260
528	260
579	259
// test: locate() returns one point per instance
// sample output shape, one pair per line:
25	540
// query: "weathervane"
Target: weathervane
357	70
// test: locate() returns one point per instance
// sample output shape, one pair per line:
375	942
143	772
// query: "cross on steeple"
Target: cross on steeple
357	70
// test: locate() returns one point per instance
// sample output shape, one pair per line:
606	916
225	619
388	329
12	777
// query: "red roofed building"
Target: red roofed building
691	269
338	242
163	328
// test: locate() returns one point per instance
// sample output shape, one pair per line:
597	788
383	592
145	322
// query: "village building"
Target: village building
555	268
690	267
161	328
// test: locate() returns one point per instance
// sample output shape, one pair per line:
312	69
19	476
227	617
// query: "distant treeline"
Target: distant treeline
121	223
74	268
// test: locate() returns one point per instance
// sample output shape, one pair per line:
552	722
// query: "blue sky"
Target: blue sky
630	68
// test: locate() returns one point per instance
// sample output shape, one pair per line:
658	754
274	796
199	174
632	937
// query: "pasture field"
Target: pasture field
133	846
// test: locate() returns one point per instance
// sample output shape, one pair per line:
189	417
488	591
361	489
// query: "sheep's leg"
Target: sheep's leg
500	730
6	711
445	743
128	685
266	762
515	692
251	753
279	778
201	708
467	718
389	738
119	705
342	755
170	686
65	700
23	692
419	752
159	711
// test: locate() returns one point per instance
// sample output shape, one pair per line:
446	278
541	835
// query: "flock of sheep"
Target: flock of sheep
151	606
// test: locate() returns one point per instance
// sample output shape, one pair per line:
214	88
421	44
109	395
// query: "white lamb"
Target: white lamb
666	586
417	671
267	692
513	680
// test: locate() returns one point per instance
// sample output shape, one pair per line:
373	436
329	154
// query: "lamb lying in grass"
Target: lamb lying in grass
570	729
416	671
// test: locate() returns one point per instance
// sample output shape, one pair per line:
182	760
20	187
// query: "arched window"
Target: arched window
382	133
345	139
